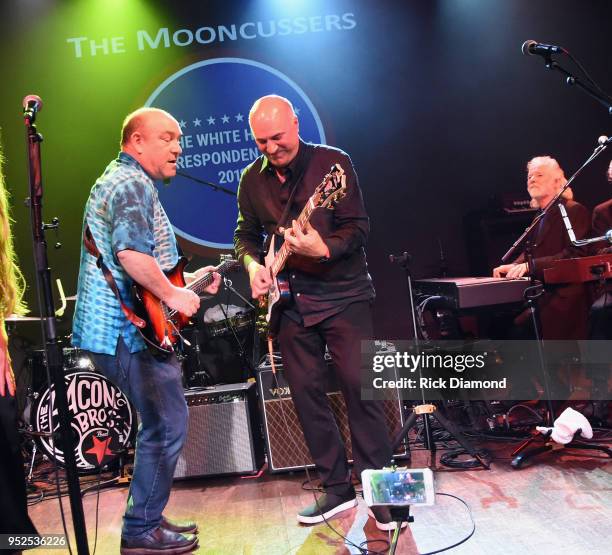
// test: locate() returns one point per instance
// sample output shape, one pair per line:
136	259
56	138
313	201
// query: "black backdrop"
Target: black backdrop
432	99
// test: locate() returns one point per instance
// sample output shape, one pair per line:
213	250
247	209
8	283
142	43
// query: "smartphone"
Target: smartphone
398	486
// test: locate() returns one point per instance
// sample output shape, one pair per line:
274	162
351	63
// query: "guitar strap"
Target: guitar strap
92	248
282	223
294	187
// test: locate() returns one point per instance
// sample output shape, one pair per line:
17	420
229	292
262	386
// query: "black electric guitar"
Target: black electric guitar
163	325
326	195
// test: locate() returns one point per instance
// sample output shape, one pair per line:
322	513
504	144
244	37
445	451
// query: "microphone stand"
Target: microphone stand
199	369
536	221
571	79
55	362
249	364
210	184
521	454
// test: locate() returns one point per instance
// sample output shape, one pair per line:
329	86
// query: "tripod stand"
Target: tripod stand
429	410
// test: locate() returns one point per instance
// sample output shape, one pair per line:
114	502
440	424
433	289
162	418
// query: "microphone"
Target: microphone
533	48
31	105
602	140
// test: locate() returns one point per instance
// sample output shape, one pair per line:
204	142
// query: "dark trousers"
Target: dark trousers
306	371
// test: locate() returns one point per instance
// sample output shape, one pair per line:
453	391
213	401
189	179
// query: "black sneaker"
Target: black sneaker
327	506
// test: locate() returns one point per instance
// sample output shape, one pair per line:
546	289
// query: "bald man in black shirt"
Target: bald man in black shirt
331	295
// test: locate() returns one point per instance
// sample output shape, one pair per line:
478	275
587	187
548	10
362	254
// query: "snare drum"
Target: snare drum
102	420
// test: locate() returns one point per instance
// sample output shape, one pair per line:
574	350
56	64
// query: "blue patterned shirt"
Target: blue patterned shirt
123	212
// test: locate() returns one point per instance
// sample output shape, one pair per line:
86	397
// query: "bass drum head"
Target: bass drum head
102	420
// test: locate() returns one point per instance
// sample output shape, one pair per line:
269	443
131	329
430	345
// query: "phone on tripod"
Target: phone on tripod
398	486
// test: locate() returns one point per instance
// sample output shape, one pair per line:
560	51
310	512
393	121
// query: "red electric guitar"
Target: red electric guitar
163	325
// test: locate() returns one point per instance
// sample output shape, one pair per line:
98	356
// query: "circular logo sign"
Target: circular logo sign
211	100
101	420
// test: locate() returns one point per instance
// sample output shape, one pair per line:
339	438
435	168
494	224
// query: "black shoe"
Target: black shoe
182	527
384	520
159	541
327	506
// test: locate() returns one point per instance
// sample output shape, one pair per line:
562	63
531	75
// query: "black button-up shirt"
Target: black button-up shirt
319	289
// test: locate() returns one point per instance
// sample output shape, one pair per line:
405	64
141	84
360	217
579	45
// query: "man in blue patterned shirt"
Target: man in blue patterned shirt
136	241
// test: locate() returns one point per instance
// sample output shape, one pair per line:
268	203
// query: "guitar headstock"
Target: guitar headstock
228	264
331	189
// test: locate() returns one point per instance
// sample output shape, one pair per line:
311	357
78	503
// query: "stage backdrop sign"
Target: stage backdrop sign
211	100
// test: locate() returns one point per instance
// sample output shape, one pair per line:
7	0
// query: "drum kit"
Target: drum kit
103	419
220	350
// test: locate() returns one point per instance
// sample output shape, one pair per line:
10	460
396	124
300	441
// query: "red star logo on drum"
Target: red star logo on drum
100	448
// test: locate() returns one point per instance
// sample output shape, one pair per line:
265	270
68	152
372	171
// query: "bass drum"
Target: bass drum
103	421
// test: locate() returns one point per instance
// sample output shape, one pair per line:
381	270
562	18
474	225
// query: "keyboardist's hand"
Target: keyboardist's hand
511	271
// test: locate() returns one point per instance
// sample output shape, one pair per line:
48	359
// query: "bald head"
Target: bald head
137	119
151	136
271	106
275	128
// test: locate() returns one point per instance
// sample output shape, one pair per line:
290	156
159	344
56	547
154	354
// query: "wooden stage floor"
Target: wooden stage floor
561	504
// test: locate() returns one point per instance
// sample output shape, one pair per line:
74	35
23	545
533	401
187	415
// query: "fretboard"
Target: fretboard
283	253
198	285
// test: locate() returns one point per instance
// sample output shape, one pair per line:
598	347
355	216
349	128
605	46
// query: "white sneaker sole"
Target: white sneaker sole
386	526
325	516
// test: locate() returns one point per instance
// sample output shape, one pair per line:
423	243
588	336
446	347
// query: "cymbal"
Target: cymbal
17	318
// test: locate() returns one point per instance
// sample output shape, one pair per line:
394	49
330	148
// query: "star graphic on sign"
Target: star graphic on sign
211	120
297	111
197	122
239	117
225	118
183	124
100	448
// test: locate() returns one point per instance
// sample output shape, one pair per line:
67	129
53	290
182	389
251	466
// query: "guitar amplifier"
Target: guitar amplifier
284	438
224	435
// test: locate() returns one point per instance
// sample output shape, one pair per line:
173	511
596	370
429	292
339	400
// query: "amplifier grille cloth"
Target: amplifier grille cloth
290	452
218	441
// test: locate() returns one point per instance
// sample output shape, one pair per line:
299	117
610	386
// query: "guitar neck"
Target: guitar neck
198	285
283	253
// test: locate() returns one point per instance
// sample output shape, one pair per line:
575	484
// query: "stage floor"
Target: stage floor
560	504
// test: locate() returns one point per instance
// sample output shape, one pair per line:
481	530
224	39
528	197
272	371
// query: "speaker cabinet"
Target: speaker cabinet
224	434
488	236
285	443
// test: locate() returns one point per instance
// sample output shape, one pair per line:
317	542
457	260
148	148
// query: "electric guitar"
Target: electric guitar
326	195
163	325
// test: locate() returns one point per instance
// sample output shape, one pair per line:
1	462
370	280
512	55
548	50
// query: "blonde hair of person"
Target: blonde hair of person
12	284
